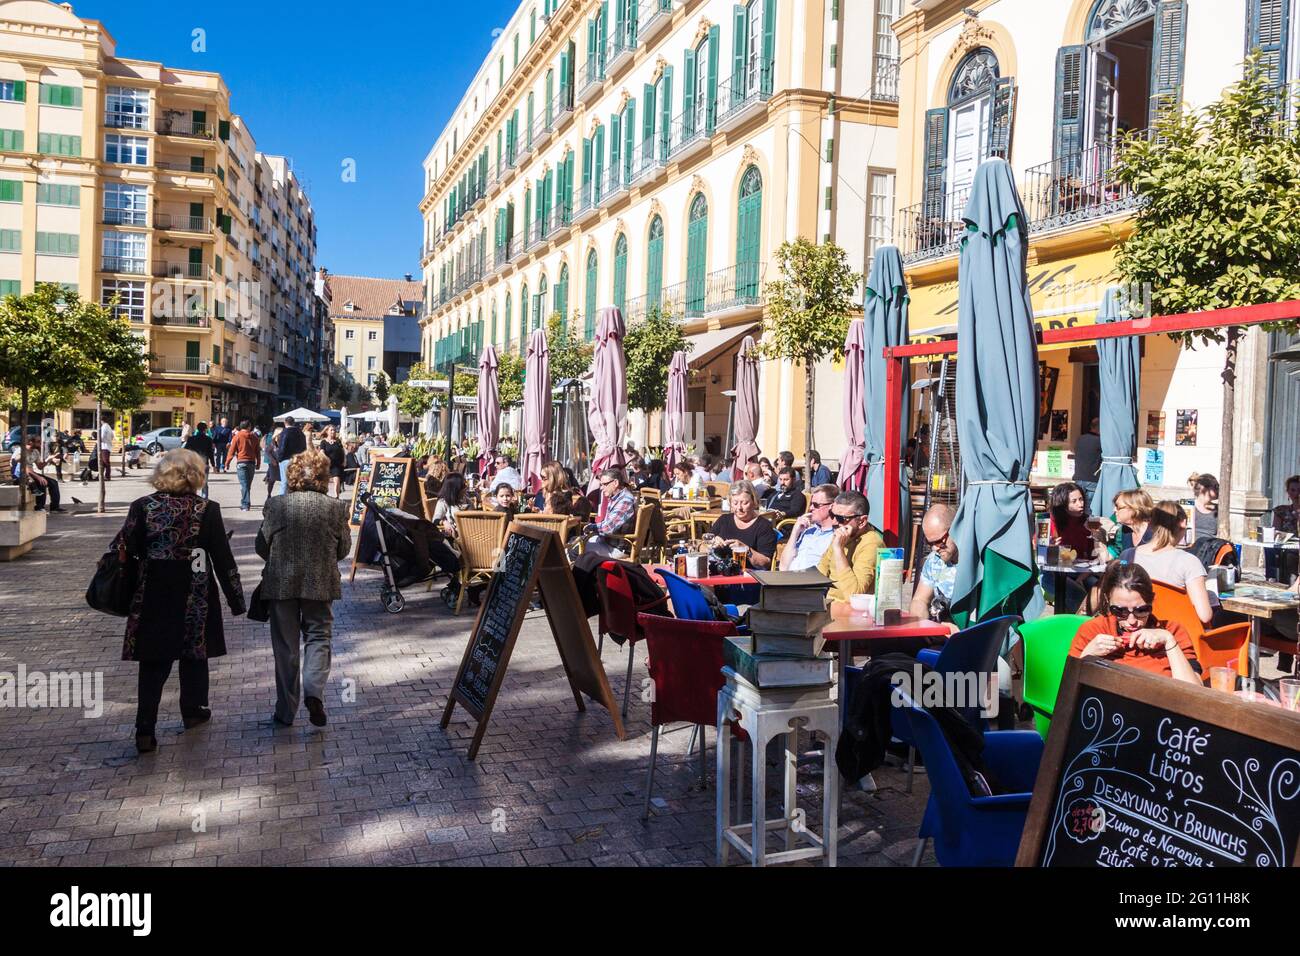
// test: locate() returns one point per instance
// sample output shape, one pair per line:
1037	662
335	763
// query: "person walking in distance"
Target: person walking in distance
201	444
221	435
292	442
106	447
244	450
304	535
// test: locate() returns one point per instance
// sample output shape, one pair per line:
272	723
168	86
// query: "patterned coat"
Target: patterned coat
303	538
176	611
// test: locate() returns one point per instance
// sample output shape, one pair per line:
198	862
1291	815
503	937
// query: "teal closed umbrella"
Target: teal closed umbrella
997	405
1119	369
884	324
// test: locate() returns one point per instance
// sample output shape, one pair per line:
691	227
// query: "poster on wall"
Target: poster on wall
1186	428
1155	428
1154	470
1060	424
1055	464
1047	377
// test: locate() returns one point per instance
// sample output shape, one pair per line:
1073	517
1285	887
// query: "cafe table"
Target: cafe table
713	580
1064	572
1259	602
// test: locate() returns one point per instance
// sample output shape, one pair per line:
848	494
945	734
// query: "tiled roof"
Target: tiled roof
373	298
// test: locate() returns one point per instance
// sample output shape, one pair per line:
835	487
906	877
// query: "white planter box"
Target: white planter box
18	530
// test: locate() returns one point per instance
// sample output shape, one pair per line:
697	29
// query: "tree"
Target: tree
1219	220
117	373
413	400
346	390
510	378
807	313
381	389
649	348
570	356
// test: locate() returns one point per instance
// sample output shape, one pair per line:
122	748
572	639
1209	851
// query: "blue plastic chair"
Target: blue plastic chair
688	600
968	830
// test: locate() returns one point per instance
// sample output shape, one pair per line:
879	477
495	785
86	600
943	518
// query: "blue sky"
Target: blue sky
327	81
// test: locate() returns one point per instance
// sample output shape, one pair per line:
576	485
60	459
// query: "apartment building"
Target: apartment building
1049	86
376	325
654	154
135	183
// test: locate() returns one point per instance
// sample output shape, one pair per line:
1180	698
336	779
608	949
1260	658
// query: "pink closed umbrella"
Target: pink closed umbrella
607	413
675	412
746	406
537	410
489	411
853	463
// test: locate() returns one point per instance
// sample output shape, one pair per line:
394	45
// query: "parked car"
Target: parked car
159	440
10	439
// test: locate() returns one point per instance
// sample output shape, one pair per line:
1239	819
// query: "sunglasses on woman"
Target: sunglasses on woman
1121	613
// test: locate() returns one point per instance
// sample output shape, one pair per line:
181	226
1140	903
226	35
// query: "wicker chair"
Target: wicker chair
635	542
480	535
702	523
562	525
718	489
650	494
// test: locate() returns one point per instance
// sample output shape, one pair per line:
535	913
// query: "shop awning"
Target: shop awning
709	345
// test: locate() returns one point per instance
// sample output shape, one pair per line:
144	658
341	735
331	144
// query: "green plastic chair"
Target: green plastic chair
1047	645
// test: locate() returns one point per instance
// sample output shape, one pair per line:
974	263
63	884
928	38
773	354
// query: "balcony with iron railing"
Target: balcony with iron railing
182	270
884	82
690	133
592	77
182	322
176	166
652	16
932	228
620	46
745	96
184	125
123	265
737	287
180	365
615	179
165	220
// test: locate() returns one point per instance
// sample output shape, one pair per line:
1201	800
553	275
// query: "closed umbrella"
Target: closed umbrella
853	465
537	409
675	412
488	408
393	427
1119	368
884	325
746	446
607	412
344	432
997	405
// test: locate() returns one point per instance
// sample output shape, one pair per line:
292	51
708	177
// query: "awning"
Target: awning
709	345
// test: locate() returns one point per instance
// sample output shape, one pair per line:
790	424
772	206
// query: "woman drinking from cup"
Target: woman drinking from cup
744	530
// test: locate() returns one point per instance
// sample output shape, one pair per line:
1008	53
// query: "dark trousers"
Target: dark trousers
153	676
220	463
50	489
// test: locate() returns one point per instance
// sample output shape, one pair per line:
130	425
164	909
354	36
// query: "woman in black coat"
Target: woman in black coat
180	541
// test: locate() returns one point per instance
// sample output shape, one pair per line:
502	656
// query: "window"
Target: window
11	190
654	278
10	287
589	314
125	205
755	55
350	334
126	108
524	303
370	379
131	150
124	252
57	243
11	140
347	362
880	212
13	91
371	336
749	233
130	296
370	361
697	254
11	240
55	144
620	272
539	303
701	90
55	95
562	296
57	194
886	49
505	329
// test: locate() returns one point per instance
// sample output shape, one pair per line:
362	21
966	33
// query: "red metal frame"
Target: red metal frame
896	359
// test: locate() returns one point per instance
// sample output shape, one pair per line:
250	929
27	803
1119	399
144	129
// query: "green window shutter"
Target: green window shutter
749	216
602	23
501	72
586	171
1000	125
58	243
562	297
768	65
739	38
528	130
666	114
697	240
936	162
20	91
528	215
10	287
196	164
835	9
223	129
45	142
620	278
55	194
11	240
598	165
830	150
196	210
566	84
199	118
11	140
615	143
516	52
52	94
568	185
648	122
11	190
589	313
591	47
688	93
654	280
1067	137
711	110
1167	55
835	51
828	198
550	106
629	140
632	22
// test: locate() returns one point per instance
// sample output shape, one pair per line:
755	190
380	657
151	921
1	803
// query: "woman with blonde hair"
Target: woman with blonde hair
179	541
554	482
1133	513
304	535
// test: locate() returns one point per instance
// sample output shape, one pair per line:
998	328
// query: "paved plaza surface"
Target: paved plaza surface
382	784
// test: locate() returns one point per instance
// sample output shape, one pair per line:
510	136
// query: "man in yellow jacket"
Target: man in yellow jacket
850	561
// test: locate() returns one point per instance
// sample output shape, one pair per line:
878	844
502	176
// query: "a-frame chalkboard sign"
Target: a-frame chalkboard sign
391	483
531	558
1142	770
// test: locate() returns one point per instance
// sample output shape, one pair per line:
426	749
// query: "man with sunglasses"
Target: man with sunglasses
812	532
932	599
850	561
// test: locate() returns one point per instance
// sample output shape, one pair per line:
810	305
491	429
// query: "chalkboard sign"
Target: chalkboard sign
532	558
358	512
391	481
1144	771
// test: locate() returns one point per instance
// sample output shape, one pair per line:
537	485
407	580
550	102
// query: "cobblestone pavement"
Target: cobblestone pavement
382	784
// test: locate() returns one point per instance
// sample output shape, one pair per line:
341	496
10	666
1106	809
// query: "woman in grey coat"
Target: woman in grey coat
304	536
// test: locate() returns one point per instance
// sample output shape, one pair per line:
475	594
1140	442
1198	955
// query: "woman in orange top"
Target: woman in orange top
1128	633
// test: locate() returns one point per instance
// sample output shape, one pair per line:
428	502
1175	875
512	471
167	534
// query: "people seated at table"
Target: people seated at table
1133	516
821	475
811	534
932	597
1068	506
617	514
788	500
754	475
452	499
554	482
1285	516
654	477
686	480
850	561
1166	562
505	471
769	472
744	526
1127	632
1205	509
505	499
786	460
706	469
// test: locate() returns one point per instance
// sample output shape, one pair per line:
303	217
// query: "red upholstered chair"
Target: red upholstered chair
686	674
618	614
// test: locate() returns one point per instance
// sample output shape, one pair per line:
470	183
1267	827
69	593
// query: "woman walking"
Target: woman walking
272	463
332	448
184	555
304	536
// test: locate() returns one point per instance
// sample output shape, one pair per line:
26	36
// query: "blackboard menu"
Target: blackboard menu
388	478
496	620
358	506
1145	784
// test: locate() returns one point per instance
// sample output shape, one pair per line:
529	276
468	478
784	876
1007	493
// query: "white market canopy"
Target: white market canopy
302	415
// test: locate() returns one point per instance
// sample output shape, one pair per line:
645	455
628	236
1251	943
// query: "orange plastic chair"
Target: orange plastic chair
1214	648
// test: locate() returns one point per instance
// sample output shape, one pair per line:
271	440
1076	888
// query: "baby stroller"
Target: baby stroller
398	543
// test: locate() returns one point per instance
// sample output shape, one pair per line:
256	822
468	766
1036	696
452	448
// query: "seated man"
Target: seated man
506	472
788	500
754	475
37	483
811	534
932	599
617	514
850	561
821	475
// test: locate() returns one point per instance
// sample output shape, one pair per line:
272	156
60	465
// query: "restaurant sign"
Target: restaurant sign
162	390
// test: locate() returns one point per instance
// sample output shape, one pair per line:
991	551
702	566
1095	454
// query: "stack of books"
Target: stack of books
784	647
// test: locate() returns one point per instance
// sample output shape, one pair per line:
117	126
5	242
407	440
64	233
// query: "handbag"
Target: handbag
114	584
259	608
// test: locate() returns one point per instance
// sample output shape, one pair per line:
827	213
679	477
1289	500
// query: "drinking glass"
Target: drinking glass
1289	690
1223	678
741	554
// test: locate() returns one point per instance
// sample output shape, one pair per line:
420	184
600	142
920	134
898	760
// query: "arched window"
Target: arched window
654	273
589	313
524	304
697	254
528	133
505	328
749	216
620	272
562	297
700	91
539	303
